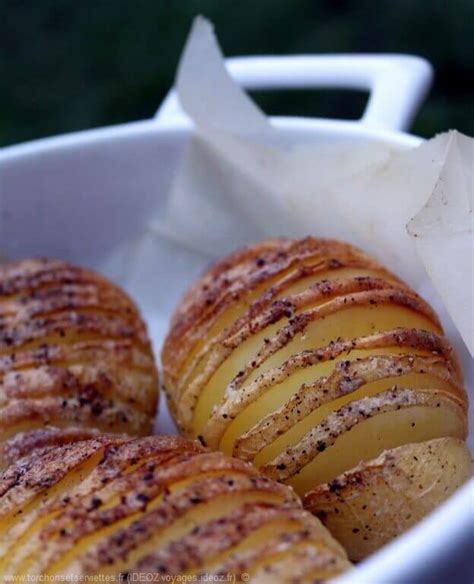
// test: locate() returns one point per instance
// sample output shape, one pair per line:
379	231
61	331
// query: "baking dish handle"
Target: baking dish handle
397	84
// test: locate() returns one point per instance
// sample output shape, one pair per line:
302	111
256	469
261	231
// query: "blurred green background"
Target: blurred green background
67	65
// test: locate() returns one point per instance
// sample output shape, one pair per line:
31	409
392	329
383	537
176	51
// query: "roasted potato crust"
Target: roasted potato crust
383	497
241	273
75	359
157	505
307	358
346	377
325	434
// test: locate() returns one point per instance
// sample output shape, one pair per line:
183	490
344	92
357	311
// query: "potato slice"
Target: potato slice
302	562
370	504
75	359
279	401
346	317
306	358
297	288
268	544
149	505
349	382
245	276
390	420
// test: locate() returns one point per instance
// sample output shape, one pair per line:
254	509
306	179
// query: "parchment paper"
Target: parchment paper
241	179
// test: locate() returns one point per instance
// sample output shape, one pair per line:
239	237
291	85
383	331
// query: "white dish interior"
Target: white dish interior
82	197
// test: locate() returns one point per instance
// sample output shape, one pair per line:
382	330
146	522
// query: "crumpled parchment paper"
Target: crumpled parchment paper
242	179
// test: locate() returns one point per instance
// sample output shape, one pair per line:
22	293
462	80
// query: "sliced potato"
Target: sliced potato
363	428
310	285
300	563
308	358
157	505
237	281
370	504
258	348
267	545
75	359
340	374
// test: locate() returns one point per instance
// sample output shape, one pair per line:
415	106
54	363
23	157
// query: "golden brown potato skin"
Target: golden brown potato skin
309	359
75	359
159	505
372	503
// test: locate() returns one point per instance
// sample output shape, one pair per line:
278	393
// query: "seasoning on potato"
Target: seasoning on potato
311	360
161	506
75	359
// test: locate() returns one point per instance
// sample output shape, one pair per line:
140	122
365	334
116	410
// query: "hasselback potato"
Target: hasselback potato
75	359
158	507
311	360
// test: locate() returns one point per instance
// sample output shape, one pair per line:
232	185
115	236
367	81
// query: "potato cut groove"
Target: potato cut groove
382	431
75	358
151	505
347	323
283	406
240	313
308	358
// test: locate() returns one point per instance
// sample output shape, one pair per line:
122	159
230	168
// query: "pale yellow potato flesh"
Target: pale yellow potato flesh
284	565
75	358
198	515
26	551
279	394
413	380
330	276
349	323
214	390
233	312
381	432
117	503
16	528
251	543
259	389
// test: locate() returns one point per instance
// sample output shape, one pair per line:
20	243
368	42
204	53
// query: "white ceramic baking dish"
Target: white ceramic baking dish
79	196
